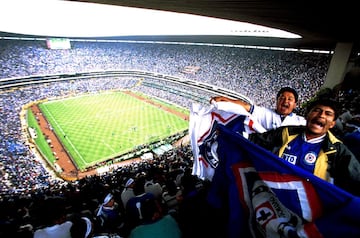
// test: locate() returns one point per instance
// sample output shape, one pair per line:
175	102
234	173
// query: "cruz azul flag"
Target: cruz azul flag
265	196
202	130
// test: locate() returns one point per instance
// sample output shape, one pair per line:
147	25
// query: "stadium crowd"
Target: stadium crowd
27	185
226	67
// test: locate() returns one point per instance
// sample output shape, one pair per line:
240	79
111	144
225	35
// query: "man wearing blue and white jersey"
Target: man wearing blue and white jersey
283	115
314	148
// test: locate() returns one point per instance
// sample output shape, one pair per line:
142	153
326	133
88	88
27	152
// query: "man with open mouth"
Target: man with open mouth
284	115
314	148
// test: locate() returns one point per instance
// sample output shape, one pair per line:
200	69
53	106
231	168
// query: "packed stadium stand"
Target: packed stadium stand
26	182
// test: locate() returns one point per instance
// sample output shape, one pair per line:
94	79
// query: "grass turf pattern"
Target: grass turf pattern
96	127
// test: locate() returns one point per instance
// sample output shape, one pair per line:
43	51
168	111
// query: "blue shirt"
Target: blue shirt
302	153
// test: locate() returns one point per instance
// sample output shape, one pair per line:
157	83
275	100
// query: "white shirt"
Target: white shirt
154	188
126	194
58	231
270	119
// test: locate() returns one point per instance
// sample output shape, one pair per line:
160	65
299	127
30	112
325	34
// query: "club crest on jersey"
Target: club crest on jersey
310	158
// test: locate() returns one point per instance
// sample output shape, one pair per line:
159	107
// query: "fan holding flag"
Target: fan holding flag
314	148
311	190
240	116
283	115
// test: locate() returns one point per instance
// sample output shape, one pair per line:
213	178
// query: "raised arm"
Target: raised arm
242	103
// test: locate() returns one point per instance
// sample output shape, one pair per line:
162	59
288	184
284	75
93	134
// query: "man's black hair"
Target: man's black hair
329	102
288	89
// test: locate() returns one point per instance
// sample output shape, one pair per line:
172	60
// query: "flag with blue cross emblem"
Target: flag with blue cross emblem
265	196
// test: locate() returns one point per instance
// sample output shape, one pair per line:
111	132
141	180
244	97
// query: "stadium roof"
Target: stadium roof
322	24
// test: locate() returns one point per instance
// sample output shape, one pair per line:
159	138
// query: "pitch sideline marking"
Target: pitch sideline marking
71	144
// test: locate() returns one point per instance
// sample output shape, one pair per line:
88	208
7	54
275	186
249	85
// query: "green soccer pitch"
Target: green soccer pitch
97	127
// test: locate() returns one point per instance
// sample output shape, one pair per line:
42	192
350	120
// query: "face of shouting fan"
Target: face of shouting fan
319	120
285	103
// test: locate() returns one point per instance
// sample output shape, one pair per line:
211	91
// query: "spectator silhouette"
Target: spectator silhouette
133	206
154	223
195	215
54	218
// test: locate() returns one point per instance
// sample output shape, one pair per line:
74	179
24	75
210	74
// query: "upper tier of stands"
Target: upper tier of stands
255	73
